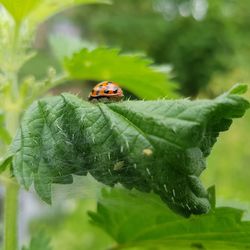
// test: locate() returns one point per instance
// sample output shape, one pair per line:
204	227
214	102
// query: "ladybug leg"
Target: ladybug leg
104	99
116	98
94	100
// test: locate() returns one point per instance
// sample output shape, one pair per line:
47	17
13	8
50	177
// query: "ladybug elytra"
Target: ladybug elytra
106	90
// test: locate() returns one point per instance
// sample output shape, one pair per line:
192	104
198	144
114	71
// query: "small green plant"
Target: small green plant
154	145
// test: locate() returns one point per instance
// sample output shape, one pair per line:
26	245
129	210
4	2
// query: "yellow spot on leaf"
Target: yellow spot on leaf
118	165
147	152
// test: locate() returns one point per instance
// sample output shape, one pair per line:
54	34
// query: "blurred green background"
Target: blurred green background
205	43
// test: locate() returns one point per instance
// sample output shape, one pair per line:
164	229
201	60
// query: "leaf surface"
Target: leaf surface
148	145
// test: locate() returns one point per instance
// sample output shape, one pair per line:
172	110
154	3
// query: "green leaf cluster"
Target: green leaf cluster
153	145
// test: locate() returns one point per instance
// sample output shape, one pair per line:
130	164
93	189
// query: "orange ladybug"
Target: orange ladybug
106	91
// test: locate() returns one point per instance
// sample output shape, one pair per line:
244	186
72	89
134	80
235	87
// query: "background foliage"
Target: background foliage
203	46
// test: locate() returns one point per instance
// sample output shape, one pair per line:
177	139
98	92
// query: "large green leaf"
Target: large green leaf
132	72
140	220
38	10
148	145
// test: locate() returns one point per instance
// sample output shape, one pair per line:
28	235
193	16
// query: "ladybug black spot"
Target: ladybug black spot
106	91
93	91
115	90
97	92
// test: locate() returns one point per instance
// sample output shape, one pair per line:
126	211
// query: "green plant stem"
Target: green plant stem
14	74
11	196
11	216
11	187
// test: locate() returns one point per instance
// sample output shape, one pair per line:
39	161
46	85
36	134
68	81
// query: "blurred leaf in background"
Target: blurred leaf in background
132	72
39	10
4	134
119	214
39	241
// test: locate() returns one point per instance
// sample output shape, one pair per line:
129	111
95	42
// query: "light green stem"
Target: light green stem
11	197
11	216
11	187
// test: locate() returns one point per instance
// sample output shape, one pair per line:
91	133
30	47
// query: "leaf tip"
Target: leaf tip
238	89
5	163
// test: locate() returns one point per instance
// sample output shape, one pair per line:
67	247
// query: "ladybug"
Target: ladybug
106	91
